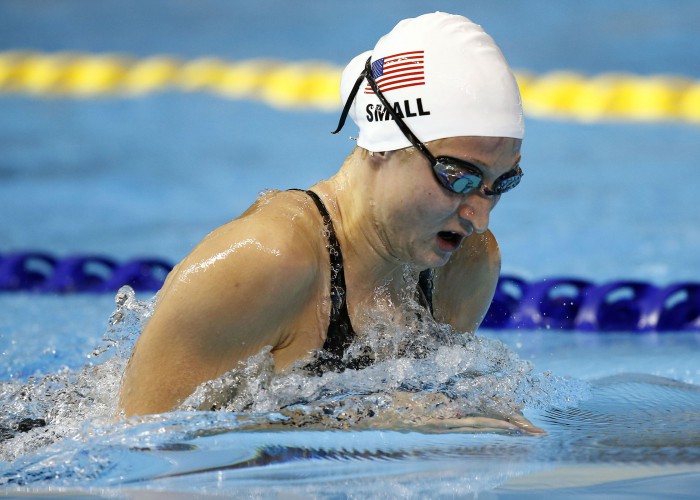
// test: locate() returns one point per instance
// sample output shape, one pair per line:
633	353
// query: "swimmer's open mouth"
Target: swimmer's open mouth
450	240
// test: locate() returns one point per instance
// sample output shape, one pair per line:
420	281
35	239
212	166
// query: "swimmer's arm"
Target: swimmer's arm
464	287
226	301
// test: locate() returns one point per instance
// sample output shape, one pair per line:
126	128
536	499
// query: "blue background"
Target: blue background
129	177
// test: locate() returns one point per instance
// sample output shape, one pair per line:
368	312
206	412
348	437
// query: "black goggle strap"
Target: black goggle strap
351	98
367	73
397	118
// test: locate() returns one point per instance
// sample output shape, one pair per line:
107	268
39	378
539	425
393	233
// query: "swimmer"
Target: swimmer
440	129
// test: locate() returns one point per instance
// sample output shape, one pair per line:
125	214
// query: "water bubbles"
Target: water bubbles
125	323
265	196
237	390
422	373
48	408
421	376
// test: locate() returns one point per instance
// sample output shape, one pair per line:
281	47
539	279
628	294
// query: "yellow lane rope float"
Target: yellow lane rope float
314	84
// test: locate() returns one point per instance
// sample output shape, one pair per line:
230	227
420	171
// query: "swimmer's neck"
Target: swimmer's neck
369	264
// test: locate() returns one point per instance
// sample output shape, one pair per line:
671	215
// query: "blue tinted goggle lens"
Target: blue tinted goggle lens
461	177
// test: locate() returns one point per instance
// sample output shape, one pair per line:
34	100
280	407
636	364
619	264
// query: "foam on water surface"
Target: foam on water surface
400	423
424	377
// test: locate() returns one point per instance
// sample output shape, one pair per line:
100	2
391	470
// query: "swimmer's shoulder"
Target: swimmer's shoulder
292	208
289	217
276	239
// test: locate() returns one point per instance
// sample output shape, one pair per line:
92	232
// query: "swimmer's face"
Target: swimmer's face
426	223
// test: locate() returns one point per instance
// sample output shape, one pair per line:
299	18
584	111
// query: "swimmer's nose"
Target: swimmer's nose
475	209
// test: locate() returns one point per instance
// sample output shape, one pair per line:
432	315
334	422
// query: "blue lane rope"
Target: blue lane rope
552	303
41	272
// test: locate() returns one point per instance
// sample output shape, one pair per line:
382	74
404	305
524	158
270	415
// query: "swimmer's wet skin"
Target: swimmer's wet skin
414	195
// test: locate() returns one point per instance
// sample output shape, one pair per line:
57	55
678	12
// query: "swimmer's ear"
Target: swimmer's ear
378	156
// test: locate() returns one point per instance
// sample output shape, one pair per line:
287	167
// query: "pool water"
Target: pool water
624	418
150	176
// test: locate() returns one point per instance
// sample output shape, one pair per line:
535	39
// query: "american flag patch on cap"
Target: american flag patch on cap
398	71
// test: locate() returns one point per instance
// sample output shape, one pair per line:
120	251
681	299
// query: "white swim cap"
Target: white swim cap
445	76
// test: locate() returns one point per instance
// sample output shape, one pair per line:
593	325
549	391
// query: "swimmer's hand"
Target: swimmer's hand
400	411
516	424
512	422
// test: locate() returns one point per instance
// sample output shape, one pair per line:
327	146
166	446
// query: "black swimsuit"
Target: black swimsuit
340	332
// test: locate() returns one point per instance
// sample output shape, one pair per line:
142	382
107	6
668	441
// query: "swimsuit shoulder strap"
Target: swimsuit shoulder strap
425	289
340	331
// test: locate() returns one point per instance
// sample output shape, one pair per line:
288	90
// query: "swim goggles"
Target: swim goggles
453	174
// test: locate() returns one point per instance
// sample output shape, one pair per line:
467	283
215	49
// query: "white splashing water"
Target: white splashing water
422	373
45	409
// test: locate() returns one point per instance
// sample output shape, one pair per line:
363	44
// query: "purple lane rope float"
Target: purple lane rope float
562	303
